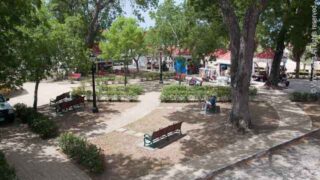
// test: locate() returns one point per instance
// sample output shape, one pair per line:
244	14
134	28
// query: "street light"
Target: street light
94	97
160	66
312	68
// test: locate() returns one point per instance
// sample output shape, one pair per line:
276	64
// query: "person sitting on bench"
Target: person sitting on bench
211	103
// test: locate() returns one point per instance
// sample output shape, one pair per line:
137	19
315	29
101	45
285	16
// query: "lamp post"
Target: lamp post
160	66
312	68
94	97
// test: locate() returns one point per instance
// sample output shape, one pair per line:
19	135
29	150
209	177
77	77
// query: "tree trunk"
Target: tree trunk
137	64
297	53
35	100
94	24
125	73
275	68
242	46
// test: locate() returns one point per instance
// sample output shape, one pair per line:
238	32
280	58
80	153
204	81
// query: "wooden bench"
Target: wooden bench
59	98
64	106
75	76
166	132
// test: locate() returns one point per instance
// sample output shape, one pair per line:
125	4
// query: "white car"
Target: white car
6	110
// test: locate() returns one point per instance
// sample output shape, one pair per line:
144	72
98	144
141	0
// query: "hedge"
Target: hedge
119	93
79	149
37	122
150	76
45	127
176	93
6	172
303	97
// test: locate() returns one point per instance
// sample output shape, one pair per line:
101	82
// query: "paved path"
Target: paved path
47	90
36	159
147	103
298	161
293	124
303	85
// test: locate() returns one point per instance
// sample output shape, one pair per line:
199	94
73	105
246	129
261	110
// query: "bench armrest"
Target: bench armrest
147	136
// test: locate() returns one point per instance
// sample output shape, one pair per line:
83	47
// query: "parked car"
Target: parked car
7	113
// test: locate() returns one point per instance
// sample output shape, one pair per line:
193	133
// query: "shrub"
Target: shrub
118	93
20	110
81	91
43	126
7	172
253	91
176	93
24	113
303	97
86	154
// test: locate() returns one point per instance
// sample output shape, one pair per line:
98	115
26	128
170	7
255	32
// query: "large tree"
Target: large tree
122	41
170	26
285	22
13	15
300	31
49	45
273	33
96	14
241	19
242	46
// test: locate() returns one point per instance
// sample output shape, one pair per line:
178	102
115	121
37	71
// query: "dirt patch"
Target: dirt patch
203	133
312	109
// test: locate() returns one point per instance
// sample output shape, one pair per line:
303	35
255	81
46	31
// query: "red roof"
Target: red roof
225	56
218	52
177	51
266	54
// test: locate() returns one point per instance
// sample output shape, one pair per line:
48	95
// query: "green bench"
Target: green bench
163	133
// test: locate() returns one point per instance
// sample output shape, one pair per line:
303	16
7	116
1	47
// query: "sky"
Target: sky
145	14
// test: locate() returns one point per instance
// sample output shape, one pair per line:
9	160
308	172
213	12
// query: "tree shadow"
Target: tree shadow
82	120
211	132
123	167
34	158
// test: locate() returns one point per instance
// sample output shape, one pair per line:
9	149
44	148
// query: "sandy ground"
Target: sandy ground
127	158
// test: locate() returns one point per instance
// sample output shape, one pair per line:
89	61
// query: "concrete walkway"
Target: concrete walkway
36	159
147	103
294	123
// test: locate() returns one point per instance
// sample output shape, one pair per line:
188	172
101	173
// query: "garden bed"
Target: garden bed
112	93
176	93
304	97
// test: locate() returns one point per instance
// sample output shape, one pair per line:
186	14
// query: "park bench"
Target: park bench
75	76
64	106
59	98
163	133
